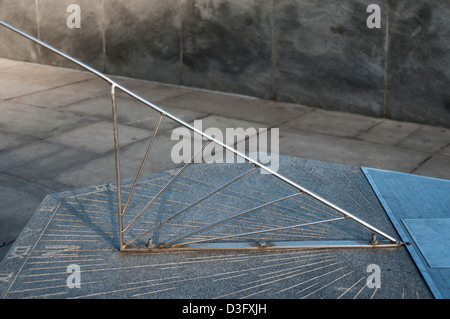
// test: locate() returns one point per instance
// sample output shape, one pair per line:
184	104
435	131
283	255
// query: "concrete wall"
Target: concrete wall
318	53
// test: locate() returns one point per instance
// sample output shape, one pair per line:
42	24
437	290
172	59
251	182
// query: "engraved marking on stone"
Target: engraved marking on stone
19	252
6	277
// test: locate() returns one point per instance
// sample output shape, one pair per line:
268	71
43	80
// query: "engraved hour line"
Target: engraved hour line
311	279
229	277
81	205
94	200
69	240
240	194
63	262
296	273
269	266
291	270
308	232
149	280
90	211
309	287
374	292
66	255
307	207
252	224
315	284
66	234
303	258
310	207
153	292
359	292
355	202
40	281
255	293
270	282
47	295
350	288
58	267
298	267
358	189
332	282
52	287
238	257
281	215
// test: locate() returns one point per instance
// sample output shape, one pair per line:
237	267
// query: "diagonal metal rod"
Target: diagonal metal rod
229	218
196	130
142	164
165	187
194	204
259	232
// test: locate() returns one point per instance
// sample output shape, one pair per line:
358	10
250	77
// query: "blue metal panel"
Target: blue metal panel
407	197
432	237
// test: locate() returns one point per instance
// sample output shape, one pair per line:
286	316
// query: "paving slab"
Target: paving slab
28	153
351	151
41	161
98	137
10	140
78	229
12	88
437	166
68	94
240	107
130	112
389	132
43	74
153	91
333	123
37	122
427	138
446	151
221	124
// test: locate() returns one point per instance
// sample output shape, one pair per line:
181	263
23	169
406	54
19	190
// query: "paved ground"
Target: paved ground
56	134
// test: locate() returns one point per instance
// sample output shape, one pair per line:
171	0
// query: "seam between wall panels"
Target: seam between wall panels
386	56
38	29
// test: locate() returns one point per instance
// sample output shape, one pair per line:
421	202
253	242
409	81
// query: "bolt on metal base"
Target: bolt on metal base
374	240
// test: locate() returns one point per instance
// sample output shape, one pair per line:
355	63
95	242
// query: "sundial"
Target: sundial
213	231
79	228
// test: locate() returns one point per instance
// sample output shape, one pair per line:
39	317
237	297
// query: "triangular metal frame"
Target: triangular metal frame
172	245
